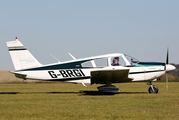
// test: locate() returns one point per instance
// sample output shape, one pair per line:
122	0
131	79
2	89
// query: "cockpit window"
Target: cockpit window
118	61
101	62
96	63
132	60
87	64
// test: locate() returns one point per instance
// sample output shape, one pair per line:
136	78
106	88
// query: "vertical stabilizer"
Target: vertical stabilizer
20	56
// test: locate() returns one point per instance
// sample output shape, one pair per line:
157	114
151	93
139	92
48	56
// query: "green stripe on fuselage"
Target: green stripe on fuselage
144	65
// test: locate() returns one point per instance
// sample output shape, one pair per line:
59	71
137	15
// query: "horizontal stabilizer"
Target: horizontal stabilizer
18	75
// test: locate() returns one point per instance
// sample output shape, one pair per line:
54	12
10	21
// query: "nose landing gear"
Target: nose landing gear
152	88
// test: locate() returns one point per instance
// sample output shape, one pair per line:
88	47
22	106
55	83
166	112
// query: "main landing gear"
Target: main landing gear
108	88
152	88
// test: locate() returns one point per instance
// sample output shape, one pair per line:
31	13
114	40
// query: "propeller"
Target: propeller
166	71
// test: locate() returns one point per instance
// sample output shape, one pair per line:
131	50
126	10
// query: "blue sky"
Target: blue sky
142	29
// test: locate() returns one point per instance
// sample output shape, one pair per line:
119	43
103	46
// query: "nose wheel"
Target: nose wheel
152	88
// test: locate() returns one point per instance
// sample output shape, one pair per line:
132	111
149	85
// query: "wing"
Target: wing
112	76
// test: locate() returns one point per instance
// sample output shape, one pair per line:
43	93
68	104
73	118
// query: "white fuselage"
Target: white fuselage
83	75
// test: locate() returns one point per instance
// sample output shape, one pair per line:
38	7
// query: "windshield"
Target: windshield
132	60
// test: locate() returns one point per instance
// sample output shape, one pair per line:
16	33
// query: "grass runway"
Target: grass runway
39	101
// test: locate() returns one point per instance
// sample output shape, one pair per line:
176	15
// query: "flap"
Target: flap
114	76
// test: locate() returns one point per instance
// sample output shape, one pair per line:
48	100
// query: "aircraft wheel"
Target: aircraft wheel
154	90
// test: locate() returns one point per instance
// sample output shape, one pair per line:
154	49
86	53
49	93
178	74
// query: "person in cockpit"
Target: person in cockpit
115	61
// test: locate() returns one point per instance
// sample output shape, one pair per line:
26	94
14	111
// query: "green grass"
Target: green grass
50	101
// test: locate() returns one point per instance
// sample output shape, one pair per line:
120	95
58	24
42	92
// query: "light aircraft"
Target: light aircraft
98	69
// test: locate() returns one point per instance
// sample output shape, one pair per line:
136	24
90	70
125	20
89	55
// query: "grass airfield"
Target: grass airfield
73	101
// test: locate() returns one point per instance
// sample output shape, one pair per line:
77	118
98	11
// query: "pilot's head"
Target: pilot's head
115	61
116	58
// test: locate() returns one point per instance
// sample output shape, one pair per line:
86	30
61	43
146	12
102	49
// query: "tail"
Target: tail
21	57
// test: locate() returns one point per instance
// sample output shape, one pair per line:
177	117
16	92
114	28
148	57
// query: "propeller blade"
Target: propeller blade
167	57
166	60
165	70
167	81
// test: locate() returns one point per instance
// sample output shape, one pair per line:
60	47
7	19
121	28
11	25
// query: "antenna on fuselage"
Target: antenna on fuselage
55	58
72	56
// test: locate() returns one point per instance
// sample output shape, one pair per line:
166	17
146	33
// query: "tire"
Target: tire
155	89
